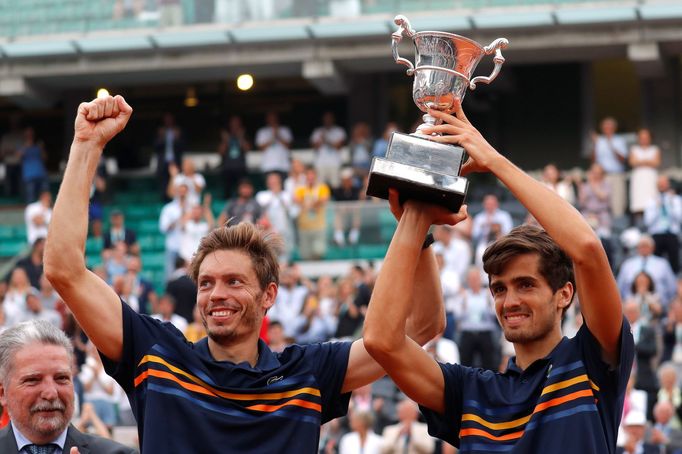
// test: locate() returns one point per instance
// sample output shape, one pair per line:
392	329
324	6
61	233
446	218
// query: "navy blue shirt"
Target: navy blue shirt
185	401
568	402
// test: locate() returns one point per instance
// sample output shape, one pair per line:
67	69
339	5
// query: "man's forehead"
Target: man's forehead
522	265
226	261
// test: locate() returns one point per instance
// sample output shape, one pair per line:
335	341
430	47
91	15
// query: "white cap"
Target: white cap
635	418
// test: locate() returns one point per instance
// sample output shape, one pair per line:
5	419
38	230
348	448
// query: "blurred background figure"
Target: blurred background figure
644	159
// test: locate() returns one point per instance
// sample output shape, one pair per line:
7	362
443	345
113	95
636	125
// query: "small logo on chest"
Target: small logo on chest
274	379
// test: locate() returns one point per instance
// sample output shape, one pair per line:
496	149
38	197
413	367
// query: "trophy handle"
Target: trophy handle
404	29
497	46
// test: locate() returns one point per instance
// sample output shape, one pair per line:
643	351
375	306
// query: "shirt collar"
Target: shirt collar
537	364
267	360
22	441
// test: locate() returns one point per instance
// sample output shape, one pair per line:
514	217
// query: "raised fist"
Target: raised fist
98	121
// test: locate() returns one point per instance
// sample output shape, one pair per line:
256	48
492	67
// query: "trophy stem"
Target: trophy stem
429	121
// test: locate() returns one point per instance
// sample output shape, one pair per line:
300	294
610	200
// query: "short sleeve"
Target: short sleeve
285	133
329	362
324	191
446	425
262	137
599	370
140	333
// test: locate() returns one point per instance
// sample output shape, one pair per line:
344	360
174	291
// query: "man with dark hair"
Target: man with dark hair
228	392
33	263
557	394
36	388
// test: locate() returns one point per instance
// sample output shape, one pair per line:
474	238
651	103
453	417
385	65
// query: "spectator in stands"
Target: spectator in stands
646	350
296	177
326	290
644	158
643	293
408	436
97	199
37	217
347	212
165	312
610	152
455	250
658	268
33	171
381	144
116	261
663	434
360	149
670	392
195	331
289	302
40	354
10	143
312	220
350	316
362	439
183	290
277	341
327	141
33	263
363	292
233	147
672	334
635	427
170	224
140	286
552	179
36	311
48	296
662	217
311	325
278	209
594	197
14	303
124	290
196	223
118	232
243	208
169	148
274	141
194	181
491	214
450	284
477	326
98	386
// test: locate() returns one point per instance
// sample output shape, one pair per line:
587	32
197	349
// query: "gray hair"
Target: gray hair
19	336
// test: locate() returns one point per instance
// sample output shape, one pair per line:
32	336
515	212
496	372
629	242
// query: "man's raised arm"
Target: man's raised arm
425	317
599	298
94	304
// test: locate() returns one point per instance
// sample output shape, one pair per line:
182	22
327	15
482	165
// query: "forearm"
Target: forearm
392	297
427	318
561	220
65	246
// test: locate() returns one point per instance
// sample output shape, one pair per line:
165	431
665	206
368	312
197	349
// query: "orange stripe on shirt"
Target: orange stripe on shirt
226	395
483	433
297	402
538	408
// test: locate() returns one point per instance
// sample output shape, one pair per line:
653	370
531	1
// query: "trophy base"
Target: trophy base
420	169
416	183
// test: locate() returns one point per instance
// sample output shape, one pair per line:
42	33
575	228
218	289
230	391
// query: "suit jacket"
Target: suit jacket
86	444
645	350
420	440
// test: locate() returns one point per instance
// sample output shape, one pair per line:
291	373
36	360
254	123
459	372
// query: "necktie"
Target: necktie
41	449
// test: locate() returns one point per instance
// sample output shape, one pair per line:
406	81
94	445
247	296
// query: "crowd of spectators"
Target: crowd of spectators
294	203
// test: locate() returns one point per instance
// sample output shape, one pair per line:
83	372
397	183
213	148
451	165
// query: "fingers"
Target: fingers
459	112
108	107
394	202
74	450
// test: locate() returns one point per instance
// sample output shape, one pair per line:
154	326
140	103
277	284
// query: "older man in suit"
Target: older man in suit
36	387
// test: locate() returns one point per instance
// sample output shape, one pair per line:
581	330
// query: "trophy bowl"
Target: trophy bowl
443	69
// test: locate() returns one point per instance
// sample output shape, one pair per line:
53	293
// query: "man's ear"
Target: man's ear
3	397
269	296
565	295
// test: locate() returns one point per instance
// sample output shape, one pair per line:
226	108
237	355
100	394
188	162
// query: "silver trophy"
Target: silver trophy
414	165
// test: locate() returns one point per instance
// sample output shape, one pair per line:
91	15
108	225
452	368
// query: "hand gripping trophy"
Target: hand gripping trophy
417	167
